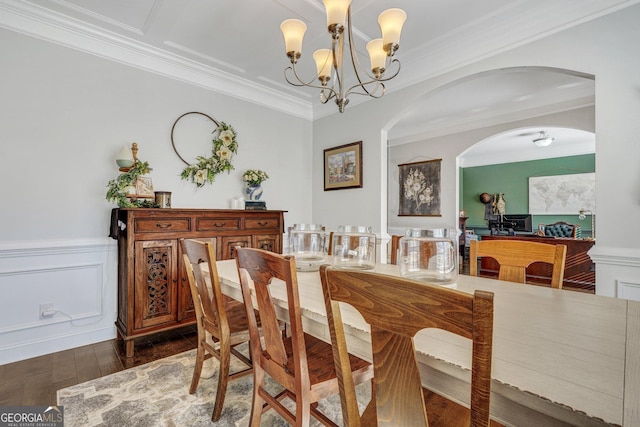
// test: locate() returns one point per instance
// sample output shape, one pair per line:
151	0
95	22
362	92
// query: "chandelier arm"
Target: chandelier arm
302	83
368	92
324	98
299	79
354	55
379	81
390	76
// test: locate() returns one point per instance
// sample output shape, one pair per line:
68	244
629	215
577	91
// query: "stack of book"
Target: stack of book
255	205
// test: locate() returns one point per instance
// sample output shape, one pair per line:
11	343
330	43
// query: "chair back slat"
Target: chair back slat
399	396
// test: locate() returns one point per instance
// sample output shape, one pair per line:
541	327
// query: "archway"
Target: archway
446	122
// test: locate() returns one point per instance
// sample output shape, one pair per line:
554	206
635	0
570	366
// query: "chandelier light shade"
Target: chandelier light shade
293	31
543	140
391	22
324	64
330	62
336	13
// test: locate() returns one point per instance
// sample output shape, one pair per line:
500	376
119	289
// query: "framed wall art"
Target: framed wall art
343	167
562	194
420	188
144	186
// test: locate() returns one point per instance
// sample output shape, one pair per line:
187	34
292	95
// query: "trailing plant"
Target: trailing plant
118	188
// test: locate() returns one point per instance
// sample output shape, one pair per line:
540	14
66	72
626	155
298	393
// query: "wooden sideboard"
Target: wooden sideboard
153	291
579	270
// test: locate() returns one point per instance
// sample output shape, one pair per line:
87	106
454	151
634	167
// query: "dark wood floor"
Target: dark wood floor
35	381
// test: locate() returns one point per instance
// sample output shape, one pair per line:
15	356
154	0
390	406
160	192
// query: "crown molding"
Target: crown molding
519	23
516	24
38	22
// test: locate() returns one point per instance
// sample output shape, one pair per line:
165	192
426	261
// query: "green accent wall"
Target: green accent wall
512	179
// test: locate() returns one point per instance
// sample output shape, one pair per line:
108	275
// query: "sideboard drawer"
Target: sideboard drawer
157	225
217	224
261	223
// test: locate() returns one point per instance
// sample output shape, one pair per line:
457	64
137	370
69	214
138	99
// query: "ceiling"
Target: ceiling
236	47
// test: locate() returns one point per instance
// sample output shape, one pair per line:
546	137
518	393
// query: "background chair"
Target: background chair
300	363
396	309
560	229
514	256
222	317
469	235
395	245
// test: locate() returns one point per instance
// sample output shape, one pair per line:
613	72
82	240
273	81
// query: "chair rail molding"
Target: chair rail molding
617	271
626	257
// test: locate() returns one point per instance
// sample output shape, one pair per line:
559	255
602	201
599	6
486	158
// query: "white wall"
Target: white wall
65	116
605	48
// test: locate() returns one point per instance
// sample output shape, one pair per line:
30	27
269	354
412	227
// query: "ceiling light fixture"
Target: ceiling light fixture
543	140
330	62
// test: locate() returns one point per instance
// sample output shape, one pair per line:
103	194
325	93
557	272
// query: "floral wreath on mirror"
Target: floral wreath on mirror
206	168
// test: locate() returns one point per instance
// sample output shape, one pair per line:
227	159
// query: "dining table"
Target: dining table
560	357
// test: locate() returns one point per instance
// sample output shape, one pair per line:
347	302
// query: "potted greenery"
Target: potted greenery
118	188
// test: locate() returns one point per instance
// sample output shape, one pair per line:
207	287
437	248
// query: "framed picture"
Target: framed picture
144	186
562	194
343	167
420	188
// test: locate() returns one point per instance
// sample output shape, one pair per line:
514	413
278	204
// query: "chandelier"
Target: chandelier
330	62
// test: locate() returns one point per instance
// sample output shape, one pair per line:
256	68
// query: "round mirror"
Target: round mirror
193	132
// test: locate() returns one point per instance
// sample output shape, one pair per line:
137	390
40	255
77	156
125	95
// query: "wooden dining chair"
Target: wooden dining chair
395	245
330	244
222	317
396	309
300	363
514	256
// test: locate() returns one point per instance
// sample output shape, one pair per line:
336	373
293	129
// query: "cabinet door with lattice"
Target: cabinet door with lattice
156	271
229	243
268	242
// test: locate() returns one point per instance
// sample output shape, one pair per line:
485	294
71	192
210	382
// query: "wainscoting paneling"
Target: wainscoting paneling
74	290
628	290
79	278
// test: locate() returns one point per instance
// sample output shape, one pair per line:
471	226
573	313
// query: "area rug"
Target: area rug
157	394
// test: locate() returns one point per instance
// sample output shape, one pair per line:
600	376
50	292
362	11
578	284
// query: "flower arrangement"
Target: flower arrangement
254	177
118	189
206	168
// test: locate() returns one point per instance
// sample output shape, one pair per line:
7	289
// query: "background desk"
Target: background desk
559	358
579	270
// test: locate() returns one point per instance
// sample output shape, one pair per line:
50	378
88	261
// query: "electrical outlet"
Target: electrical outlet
47	310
